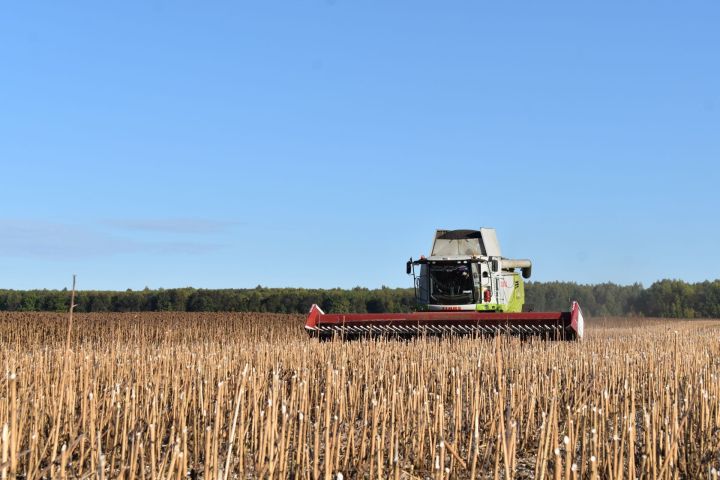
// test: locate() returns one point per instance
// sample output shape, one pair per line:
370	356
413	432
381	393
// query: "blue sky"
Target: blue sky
321	143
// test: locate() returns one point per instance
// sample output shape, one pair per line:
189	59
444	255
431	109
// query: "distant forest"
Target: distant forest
666	298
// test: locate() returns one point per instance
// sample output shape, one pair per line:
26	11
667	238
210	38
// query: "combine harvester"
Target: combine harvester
465	287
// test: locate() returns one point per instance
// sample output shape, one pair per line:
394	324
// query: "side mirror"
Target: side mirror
495	266
408	266
526	272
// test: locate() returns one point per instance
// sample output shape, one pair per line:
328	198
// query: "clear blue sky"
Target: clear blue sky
320	143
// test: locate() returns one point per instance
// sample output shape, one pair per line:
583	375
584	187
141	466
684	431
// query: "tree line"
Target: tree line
665	298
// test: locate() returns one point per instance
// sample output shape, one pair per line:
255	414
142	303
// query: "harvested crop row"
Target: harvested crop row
166	395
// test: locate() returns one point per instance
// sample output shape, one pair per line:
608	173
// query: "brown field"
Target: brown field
163	396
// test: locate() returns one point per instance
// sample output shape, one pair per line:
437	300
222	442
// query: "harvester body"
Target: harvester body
466	271
465	286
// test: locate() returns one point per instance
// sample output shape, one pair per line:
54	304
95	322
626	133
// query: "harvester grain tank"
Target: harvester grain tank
465	286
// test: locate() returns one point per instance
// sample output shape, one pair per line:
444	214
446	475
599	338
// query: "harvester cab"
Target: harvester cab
465	286
466	271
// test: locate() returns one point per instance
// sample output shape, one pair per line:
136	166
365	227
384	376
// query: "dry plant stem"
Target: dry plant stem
232	435
62	378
